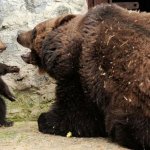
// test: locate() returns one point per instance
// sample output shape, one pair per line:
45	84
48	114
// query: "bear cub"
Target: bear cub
4	90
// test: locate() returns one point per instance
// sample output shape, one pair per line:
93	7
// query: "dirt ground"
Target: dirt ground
25	136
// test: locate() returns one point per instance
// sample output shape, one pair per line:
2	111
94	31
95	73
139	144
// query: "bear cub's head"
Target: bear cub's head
34	39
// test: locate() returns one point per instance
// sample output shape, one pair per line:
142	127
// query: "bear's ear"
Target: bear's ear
63	19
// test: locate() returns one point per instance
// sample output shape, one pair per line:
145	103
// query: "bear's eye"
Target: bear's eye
34	33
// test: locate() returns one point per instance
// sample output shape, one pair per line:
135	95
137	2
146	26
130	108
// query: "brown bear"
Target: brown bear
101	64
4	90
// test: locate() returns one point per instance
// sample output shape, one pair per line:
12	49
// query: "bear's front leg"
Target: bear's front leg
3	121
4	69
79	123
72	112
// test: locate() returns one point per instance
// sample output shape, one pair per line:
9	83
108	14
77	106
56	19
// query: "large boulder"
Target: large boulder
34	92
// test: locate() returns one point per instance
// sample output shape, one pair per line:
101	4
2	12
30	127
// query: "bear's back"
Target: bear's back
116	52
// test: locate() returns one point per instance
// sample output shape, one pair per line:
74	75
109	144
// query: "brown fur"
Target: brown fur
107	52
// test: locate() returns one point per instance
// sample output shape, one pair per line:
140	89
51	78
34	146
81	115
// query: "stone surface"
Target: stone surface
25	136
33	92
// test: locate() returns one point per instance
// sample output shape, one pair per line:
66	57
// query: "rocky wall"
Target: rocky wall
34	93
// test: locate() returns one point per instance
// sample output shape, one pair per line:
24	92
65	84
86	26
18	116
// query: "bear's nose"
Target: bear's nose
20	32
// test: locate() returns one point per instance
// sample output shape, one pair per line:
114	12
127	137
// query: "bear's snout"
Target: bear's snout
24	38
26	57
20	36
2	46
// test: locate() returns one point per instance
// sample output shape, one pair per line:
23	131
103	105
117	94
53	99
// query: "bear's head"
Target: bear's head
38	38
2	46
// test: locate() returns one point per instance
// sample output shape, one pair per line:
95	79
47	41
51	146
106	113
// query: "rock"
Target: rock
34	92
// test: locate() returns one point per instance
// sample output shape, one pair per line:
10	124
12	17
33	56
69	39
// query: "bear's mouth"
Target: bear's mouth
1	50
26	58
31	58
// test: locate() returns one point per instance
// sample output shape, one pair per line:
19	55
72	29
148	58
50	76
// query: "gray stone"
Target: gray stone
34	92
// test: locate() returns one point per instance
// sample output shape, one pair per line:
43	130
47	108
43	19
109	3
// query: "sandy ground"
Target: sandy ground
25	136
